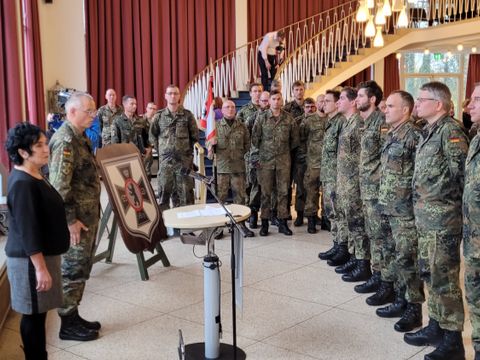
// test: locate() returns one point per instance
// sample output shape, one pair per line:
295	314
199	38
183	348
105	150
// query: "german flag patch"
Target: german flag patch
454	139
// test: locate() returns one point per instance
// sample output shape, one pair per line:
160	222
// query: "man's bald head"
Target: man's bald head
228	109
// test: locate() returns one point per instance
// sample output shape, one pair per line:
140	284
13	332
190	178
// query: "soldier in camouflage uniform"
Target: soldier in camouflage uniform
252	107
471	224
106	113
376	224
438	181
174	132
275	134
73	173
328	177
130	128
312	130
299	166
148	118
233	142
252	159
400	255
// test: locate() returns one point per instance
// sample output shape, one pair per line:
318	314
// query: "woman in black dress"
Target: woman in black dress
38	235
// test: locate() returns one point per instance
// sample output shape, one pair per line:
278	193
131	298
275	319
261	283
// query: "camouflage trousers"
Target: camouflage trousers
174	185
148	162
311	184
400	258
350	219
471	252
298	175
329	205
234	181
439	266
76	266
106	135
280	180
254	198
378	231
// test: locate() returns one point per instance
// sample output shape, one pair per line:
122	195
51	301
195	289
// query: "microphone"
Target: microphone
189	172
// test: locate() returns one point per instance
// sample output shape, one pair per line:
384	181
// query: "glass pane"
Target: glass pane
413	84
431	63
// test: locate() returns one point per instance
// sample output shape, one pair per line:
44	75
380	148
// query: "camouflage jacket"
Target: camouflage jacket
295	110
246	111
275	138
373	136
438	177
398	162
125	130
253	156
312	130
174	135
233	142
74	174
328	172
106	115
348	156
471	192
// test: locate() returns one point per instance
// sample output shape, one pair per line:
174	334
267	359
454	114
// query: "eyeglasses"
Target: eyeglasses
264	101
173	93
91	113
421	100
309	106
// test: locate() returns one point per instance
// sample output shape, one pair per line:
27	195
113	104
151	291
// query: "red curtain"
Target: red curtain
269	15
391	76
140	47
10	93
473	74
359	77
33	64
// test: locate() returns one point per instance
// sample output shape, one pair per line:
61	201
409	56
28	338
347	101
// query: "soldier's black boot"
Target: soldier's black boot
71	329
451	347
283	227
384	295
411	318
247	231
264	228
299	220
395	309
274	220
92	325
325	224
348	266
340	257
252	222
430	335
370	286
361	272
326	255
311	225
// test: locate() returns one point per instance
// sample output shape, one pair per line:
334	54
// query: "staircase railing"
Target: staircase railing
237	69
346	36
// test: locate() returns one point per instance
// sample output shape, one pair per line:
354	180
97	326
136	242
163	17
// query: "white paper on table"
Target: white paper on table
207	211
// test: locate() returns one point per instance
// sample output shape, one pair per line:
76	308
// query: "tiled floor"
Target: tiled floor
295	307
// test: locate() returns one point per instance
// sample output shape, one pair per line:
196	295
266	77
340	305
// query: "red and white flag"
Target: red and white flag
207	122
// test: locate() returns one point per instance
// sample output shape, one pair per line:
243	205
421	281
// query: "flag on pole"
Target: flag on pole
207	122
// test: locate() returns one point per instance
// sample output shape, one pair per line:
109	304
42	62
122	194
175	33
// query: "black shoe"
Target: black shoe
274	220
299	220
384	295
347	267
264	228
361	272
340	257
252	222
411	319
247	231
283	228
396	309
218	234
325	224
370	286
430	335
329	253
311	225
70	329
92	325
451	347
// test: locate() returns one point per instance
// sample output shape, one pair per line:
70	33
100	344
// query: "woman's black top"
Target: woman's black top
37	221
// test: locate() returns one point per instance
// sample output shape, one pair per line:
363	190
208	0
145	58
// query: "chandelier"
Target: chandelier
375	16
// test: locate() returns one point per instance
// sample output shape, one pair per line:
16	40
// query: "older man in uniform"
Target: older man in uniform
174	132
275	134
106	113
74	174
130	128
312	130
252	107
438	182
471	224
399	264
328	176
233	142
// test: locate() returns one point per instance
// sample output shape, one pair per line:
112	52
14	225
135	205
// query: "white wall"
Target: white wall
63	44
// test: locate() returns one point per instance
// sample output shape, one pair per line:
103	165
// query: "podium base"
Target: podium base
196	351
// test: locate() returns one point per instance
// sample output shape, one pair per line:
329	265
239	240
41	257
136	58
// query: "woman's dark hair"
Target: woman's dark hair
22	136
